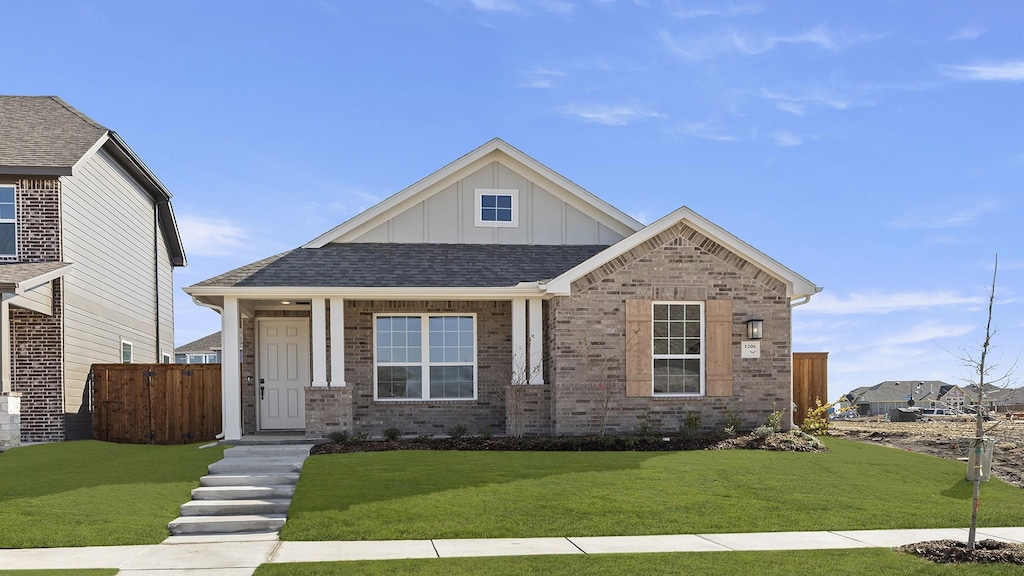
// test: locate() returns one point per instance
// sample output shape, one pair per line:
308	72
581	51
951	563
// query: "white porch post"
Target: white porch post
519	362
319	342
231	379
536	341
337	341
5	346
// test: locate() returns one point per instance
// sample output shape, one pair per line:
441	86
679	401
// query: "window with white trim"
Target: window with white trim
127	352
8	222
424	357
678	348
497	207
165	358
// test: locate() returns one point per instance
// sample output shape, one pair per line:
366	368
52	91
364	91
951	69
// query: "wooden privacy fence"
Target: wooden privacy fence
156	403
810	382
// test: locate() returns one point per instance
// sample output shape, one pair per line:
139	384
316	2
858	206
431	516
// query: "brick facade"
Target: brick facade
37	350
586	337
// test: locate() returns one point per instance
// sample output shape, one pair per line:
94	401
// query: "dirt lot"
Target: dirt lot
944	439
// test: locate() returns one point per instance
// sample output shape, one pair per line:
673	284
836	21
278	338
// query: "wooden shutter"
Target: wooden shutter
718	347
639	381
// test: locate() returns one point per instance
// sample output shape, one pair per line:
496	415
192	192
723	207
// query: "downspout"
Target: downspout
218	310
156	273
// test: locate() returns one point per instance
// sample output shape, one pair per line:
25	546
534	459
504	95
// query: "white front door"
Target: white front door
283	373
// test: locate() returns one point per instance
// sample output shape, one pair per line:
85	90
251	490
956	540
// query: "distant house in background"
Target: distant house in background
881	398
88	243
205	350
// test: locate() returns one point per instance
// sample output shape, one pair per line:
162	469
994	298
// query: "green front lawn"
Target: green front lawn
91	493
422	494
867	562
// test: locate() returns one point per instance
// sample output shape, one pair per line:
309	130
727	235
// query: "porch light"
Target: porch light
755	329
285	301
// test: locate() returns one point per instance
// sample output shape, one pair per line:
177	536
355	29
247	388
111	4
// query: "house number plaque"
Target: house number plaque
750	349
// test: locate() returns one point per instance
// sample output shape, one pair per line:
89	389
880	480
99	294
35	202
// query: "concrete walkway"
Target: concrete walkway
240	555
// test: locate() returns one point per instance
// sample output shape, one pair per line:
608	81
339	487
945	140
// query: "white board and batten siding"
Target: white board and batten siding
448	215
110	293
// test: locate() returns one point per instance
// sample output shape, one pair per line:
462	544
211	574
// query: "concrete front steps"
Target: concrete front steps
247	492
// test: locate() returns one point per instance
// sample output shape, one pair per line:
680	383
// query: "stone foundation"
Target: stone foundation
10	420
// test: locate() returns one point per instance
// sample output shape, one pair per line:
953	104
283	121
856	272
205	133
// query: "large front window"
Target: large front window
678	348
8	222
425	357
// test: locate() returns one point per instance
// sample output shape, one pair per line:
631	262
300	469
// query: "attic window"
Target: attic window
497	207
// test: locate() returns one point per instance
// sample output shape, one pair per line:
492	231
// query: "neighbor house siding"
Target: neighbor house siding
449	215
588	342
109	235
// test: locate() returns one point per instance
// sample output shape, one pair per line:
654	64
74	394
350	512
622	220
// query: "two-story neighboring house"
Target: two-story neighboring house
88	243
497	294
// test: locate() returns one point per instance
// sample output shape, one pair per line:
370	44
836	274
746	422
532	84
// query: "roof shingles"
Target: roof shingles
44	131
371	265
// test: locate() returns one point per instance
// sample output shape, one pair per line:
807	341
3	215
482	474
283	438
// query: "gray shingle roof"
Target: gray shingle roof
44	132
205	344
20	272
368	265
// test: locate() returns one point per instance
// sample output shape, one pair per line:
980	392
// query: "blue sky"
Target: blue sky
875	147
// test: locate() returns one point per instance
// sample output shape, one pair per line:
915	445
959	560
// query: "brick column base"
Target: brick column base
328	410
10	420
528	410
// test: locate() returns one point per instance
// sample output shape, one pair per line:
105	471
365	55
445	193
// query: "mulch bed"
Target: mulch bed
956	552
607	443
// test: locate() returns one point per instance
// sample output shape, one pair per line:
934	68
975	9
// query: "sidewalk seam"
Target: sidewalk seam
577	546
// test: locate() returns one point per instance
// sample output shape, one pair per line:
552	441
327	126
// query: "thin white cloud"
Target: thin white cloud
523	7
497	6
967	33
926	332
785	138
704	131
726	11
609	115
751	44
885	303
945	216
818	97
210	236
541	78
1012	71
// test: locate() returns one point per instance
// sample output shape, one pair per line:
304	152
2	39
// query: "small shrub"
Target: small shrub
392	434
485	432
643	425
812	440
816	423
338	437
457	431
690	427
775	420
762	432
729	431
360	437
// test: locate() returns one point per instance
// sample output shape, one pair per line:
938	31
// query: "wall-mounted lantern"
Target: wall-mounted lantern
755	329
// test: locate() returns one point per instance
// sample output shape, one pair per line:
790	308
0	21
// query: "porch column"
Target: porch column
319	342
536	341
337	341
519	362
5	346
231	378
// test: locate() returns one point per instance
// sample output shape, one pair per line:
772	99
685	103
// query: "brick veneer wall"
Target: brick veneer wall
328	410
587	341
494	359
37	340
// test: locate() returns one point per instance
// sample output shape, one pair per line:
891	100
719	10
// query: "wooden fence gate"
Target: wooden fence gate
156	403
810	382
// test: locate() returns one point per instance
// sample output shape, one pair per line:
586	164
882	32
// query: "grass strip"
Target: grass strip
872	562
90	493
418	495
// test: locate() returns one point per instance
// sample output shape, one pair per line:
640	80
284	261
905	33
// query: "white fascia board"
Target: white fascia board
368	293
796	285
466	164
34	282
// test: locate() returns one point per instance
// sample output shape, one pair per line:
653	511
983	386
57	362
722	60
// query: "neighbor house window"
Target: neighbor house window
497	207
425	357
678	348
8	222
165	358
127	352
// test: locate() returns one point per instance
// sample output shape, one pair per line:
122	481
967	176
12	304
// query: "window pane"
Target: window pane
7	239
504	215
677	329
693	312
7	194
504	201
7	211
693	329
488	200
488	214
398	339
399	382
126	352
661	311
660	329
661	346
451	381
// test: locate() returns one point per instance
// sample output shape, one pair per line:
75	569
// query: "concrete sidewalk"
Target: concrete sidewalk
240	555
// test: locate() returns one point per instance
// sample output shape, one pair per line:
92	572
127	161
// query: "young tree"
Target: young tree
981	367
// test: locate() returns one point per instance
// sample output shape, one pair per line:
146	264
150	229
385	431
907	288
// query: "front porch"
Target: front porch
339	387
